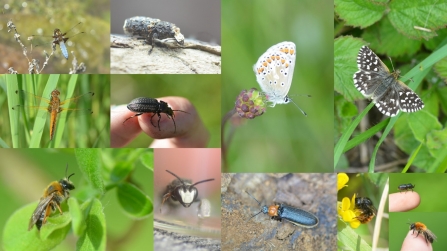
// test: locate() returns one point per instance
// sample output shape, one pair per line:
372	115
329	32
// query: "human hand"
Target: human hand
402	202
190	132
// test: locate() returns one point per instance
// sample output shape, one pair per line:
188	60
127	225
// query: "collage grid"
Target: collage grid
147	137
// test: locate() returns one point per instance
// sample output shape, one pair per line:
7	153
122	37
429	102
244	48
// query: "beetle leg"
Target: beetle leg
151	119
159	118
137	114
151	38
175	127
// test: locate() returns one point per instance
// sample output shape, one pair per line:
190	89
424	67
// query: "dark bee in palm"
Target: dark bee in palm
52	197
366	208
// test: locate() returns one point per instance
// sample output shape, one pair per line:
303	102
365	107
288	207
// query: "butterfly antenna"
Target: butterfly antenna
304	113
391	63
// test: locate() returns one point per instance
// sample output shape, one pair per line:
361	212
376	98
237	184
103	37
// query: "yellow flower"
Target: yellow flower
342	179
347	212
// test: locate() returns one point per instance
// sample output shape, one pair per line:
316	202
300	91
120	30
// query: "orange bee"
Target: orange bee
367	209
420	228
52	197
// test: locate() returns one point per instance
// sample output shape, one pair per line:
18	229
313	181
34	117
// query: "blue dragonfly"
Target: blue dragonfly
60	39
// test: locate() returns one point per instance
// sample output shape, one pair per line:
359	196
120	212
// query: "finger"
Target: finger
121	134
188	130
403	201
413	243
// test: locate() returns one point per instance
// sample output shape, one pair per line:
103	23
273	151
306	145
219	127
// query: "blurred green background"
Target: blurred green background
203	91
97	134
41	18
436	222
283	139
371	186
428	186
25	173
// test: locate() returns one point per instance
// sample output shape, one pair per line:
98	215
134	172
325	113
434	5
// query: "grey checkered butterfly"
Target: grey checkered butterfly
374	80
274	73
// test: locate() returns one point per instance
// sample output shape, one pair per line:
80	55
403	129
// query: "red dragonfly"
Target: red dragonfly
55	105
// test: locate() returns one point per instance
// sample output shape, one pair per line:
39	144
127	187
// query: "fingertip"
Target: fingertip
164	126
403	201
413	243
123	128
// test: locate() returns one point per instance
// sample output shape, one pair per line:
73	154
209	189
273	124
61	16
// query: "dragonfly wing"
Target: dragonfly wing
63	49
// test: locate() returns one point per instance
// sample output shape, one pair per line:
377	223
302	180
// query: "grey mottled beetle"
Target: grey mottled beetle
152	28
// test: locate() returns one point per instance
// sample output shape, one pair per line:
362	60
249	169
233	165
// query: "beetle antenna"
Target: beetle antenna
180	111
201	182
176	177
255	200
254	215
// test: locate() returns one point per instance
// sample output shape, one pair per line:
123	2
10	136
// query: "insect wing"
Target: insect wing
31	103
63	49
41	207
274	71
78	104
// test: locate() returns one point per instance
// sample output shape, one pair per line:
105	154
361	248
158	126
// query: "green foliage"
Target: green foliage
359	13
94	238
350	239
83	214
134	201
393	33
17	237
75	126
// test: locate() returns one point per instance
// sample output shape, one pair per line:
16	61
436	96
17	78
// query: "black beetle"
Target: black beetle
182	190
151	105
406	187
294	215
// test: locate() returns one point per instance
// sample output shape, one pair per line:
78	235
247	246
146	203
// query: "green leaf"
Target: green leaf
384	39
359	13
147	158
436	142
422	123
442	94
77	216
431	14
17	237
350	239
55	223
345	65
121	170
134	201
94	237
441	69
89	161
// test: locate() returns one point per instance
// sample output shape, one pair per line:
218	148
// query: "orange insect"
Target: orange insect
52	197
420	228
366	208
55	105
